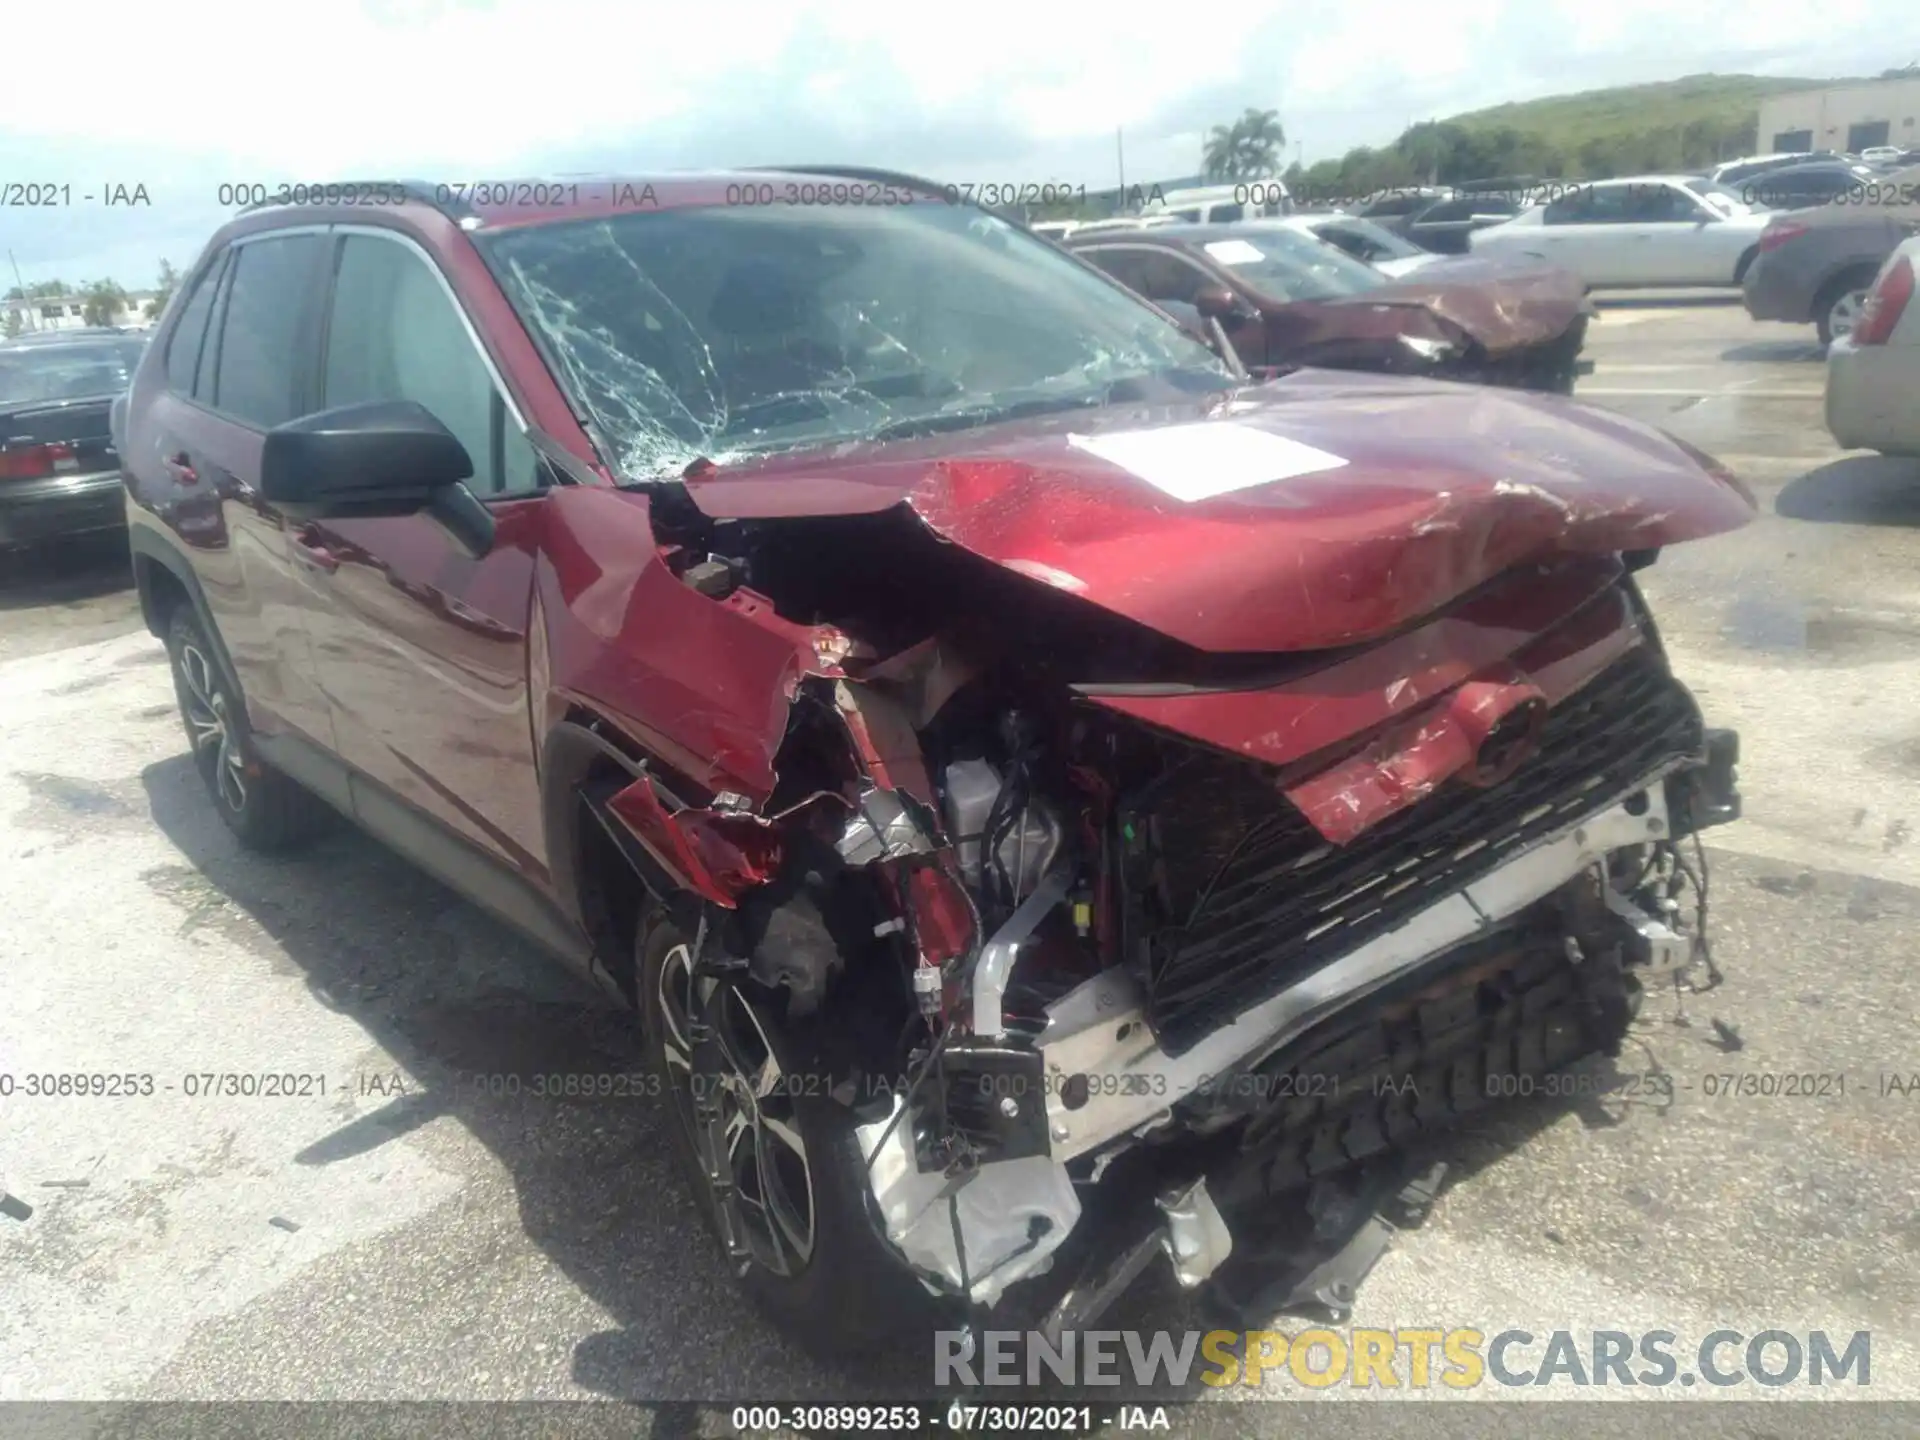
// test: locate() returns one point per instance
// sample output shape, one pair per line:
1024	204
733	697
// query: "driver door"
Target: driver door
421	649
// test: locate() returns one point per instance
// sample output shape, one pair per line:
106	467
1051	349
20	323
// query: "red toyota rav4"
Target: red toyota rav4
1047	800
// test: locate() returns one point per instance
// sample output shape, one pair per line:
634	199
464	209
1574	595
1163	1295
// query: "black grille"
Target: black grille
1239	896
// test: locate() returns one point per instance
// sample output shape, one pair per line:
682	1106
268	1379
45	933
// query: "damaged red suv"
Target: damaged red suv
1033	787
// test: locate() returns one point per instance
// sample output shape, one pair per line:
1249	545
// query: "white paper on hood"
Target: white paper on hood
1214	457
1234	252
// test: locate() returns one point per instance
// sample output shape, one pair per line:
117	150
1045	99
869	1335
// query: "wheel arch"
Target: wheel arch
164	581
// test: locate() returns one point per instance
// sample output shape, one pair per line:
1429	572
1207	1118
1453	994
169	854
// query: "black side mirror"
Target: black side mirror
386	458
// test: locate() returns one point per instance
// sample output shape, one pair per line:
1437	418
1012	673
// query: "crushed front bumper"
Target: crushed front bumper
1101	1081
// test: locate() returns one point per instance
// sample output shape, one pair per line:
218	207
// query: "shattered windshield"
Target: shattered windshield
725	332
1284	264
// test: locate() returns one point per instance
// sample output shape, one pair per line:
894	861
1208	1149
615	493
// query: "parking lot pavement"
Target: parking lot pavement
408	1233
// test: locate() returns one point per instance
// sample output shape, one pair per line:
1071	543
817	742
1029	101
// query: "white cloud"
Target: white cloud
212	90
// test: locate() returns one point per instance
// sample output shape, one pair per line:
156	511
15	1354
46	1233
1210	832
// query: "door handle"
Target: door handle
311	553
181	469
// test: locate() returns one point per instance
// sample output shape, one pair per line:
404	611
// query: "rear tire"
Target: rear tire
1836	310
262	807
818	1266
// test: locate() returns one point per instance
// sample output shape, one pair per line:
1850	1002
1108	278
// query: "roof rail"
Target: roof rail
448	202
860	172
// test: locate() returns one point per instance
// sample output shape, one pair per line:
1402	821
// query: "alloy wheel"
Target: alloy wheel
735	1066
1845	313
211	727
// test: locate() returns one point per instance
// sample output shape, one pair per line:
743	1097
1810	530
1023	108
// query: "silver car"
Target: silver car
1816	265
1873	372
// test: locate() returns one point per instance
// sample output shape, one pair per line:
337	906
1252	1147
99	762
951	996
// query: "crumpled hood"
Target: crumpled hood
1315	510
1504	305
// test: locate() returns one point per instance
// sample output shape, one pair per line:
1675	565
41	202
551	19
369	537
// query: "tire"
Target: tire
1830	308
845	1293
263	808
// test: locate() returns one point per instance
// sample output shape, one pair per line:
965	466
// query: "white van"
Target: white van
1224	204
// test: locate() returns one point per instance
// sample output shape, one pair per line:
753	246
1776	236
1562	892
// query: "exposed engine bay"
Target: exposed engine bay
1123	938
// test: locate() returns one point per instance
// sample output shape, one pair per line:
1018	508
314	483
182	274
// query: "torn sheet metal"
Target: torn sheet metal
715	854
1502	305
1444	487
1414	758
1560	628
1010	1215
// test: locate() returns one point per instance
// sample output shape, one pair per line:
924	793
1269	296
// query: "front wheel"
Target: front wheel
263	808
772	1158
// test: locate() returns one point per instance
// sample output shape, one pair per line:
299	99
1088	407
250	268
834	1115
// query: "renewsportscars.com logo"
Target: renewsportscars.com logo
1412	1358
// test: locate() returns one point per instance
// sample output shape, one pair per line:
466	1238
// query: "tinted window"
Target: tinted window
395	334
1659	204
1160	275
259	361
1400	202
1227	214
1594	205
183	350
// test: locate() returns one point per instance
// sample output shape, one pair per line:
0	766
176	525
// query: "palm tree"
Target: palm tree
1248	149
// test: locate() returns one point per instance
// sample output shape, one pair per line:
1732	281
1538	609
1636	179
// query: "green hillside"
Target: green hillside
1684	124
1718	101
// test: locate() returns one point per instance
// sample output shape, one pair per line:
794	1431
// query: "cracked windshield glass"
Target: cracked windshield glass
723	333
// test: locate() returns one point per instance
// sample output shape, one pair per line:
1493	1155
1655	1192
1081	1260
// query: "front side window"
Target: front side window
733	331
395	334
259	362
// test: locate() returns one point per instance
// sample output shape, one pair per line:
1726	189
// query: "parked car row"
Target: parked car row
1873	368
1817	265
1283	295
59	472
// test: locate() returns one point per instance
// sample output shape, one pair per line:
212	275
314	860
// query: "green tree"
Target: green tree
101	303
169	282
1248	149
16	322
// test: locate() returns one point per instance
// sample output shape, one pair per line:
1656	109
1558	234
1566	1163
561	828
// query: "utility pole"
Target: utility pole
1120	156
27	311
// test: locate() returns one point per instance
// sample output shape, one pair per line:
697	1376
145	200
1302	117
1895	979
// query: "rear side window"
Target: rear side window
183	349
395	334
259	359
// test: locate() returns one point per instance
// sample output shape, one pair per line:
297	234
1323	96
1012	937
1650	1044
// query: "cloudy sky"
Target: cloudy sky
187	95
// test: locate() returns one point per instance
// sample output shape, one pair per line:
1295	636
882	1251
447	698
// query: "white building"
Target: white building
67	312
1844	117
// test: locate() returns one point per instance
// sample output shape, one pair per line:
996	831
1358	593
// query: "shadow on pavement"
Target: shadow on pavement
1804	350
452	995
1855	490
1665	300
65	572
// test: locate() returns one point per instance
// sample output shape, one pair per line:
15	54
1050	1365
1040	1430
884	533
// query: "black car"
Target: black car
59	474
1392	209
1443	227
